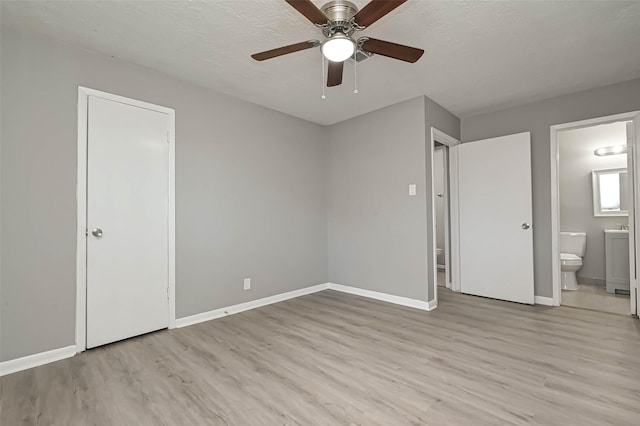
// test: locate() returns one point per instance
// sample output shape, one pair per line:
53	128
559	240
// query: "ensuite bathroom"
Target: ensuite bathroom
594	204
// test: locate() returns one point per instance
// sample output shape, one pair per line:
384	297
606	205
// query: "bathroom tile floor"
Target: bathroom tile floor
596	298
592	297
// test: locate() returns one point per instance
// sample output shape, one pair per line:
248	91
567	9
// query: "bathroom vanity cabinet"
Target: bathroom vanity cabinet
617	260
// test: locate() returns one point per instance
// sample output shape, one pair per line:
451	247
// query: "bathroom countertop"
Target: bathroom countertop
616	231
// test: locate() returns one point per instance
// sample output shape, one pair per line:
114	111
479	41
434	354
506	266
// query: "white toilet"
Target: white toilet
572	247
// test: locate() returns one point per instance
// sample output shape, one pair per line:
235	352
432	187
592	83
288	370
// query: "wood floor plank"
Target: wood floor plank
331	358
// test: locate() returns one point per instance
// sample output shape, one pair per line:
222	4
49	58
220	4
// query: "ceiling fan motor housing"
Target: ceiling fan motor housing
340	14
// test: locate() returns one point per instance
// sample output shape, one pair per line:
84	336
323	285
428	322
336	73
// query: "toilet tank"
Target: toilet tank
573	242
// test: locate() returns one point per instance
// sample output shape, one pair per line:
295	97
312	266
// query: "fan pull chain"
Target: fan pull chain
322	75
355	71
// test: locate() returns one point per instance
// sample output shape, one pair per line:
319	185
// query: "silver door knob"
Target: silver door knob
97	232
526	226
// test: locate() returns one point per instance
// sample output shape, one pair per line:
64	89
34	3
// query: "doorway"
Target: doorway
441	201
593	242
126	225
445	230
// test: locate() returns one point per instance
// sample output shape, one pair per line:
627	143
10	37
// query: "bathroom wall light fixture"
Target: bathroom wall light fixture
611	150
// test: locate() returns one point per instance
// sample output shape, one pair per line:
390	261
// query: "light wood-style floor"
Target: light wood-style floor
336	359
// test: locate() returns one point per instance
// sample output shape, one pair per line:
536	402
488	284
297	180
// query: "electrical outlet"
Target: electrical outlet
412	189
247	283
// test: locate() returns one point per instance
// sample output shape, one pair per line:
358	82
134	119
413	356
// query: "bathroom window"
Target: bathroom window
610	192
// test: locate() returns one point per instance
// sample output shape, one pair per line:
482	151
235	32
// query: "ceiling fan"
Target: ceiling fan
339	20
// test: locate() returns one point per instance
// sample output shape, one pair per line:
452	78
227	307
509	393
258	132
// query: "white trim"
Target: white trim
633	162
434	242
541	300
81	194
446	248
35	360
454	217
397	300
452	221
555	191
555	217
172	218
81	240
242	307
235	309
444	138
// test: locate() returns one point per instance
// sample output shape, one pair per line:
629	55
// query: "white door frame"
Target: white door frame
445	195
81	251
555	195
452	261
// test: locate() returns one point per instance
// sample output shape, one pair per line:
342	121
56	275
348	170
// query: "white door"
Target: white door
127	221
633	159
495	210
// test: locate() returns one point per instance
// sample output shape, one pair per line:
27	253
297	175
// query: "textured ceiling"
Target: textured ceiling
480	56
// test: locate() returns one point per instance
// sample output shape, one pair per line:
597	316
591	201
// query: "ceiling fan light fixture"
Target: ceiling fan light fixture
338	48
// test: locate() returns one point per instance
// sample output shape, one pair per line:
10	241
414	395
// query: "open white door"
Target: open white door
495	211
633	159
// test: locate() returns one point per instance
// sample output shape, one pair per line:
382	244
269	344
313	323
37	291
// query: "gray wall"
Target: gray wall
576	195
378	234
250	191
537	118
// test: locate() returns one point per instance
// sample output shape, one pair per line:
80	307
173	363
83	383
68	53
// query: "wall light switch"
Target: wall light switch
247	283
412	189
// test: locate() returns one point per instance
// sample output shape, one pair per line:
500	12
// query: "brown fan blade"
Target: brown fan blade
268	54
309	10
392	50
334	74
375	10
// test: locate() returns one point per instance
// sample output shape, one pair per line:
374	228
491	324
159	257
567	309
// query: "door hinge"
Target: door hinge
86	232
168	137
168	298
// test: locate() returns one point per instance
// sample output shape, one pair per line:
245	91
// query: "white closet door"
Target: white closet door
495	209
127	221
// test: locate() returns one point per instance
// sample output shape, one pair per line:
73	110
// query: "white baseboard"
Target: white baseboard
19	364
235	309
432	304
541	300
30	361
398	300
241	307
